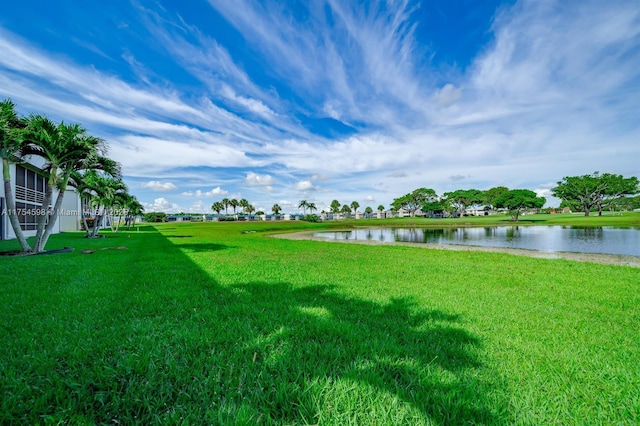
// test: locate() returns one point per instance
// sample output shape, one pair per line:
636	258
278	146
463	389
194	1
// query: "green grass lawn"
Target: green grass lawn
217	323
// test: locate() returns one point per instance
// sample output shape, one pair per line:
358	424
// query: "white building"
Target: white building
28	183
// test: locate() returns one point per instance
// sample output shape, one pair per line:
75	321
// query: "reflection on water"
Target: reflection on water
607	240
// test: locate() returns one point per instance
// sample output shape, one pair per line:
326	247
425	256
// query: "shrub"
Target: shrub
311	218
90	222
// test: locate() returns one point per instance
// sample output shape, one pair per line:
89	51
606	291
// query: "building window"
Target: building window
30	191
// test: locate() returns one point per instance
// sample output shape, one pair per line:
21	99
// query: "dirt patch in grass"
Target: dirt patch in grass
609	259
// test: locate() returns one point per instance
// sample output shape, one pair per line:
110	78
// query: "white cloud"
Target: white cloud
199	207
448	95
305	185
161	205
544	190
256	179
158	186
217	191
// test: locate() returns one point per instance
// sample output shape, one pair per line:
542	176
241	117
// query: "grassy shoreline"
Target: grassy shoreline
214	323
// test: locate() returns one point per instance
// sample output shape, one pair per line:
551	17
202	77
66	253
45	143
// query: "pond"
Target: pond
604	240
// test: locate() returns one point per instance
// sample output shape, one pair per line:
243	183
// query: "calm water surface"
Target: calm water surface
606	240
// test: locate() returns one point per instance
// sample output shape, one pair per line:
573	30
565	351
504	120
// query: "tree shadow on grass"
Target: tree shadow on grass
305	335
202	247
163	342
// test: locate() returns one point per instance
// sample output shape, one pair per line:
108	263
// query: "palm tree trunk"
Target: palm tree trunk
54	216
118	223
52	220
11	207
86	225
42	219
112	223
97	223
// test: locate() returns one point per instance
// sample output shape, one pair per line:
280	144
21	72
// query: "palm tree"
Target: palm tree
10	145
346	210
335	206
234	203
118	208
244	204
226	203
85	181
368	211
134	209
312	207
276	209
354	206
64	148
217	207
250	209
303	205
107	192
380	208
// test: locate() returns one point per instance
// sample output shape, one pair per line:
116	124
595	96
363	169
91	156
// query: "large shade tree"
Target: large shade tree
490	195
414	200
595	190
517	200
462	199
615	188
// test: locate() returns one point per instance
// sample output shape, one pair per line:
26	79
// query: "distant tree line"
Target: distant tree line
580	193
243	204
457	202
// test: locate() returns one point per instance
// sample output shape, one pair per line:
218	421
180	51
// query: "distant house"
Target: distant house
482	211
28	182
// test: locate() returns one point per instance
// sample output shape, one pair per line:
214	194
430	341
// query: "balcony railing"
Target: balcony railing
29	195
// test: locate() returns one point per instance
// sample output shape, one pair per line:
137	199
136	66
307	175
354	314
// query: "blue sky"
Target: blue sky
277	102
